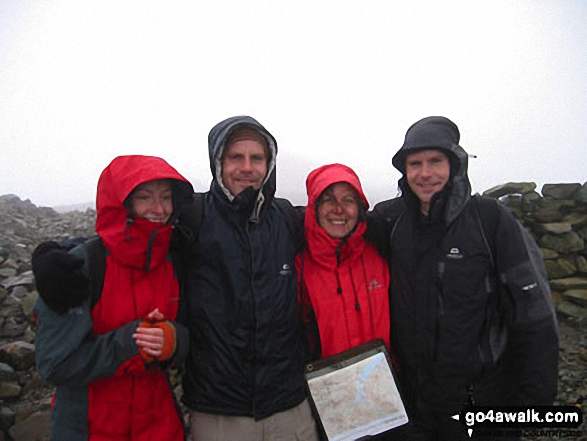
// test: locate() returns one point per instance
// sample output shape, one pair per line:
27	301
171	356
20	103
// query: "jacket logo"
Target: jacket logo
285	270
373	284
454	253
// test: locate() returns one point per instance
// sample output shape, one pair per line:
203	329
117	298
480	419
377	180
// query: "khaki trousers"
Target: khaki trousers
295	424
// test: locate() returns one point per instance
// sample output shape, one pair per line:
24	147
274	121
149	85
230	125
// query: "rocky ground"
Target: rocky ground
25	398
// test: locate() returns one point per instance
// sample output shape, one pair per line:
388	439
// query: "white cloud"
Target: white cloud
335	81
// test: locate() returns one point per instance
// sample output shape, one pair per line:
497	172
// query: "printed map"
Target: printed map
358	400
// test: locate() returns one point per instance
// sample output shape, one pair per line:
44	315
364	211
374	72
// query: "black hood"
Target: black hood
439	133
248	198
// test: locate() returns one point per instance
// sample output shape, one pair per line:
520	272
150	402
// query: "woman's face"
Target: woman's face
152	201
338	209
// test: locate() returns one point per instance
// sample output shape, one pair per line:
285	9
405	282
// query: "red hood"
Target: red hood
321	246
126	238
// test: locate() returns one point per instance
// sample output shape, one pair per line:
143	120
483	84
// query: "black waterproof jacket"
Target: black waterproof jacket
246	354
444	295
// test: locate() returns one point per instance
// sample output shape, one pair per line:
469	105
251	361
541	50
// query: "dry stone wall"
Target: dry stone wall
557	219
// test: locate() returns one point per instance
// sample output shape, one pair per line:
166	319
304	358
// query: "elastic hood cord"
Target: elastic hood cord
126	230
368	294
150	249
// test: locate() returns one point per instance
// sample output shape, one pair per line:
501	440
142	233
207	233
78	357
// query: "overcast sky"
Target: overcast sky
333	80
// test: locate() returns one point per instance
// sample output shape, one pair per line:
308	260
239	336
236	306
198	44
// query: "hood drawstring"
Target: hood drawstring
339	288
126	230
357	304
338	262
368	294
150	249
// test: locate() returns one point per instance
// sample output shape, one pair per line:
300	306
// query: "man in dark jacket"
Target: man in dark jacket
244	376
471	313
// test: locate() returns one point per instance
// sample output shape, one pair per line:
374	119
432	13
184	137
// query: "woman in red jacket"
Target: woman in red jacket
342	278
108	356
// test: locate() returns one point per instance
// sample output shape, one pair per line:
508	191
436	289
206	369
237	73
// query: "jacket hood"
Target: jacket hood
440	133
136	242
322	247
216	144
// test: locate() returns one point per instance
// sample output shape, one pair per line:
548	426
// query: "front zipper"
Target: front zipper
440	310
254	313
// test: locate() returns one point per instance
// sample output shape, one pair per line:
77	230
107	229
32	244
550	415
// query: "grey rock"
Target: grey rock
34	428
577	296
576	219
569	283
7	373
572	311
547	254
25	278
19	292
581	194
563	243
556	271
20	355
560	191
556	228
7	418
9	389
7	272
510	188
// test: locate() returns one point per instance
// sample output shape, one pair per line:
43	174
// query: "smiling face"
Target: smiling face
244	164
152	201
338	209
427	172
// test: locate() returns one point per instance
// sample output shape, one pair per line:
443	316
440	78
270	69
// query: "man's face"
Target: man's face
427	172
244	164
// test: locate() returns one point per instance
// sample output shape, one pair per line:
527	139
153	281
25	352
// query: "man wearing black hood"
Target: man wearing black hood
471	312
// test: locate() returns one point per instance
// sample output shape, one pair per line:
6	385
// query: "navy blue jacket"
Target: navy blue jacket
246	353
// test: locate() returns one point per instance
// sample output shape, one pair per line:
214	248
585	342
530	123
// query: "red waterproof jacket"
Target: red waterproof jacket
136	403
348	293
105	391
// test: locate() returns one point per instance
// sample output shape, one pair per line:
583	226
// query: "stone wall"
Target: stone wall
557	219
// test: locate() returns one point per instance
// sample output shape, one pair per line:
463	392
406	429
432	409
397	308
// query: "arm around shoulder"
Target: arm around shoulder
67	353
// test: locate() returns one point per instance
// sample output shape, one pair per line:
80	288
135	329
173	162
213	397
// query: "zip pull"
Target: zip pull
126	231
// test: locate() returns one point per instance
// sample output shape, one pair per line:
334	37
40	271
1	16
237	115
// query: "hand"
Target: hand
156	337
58	276
155	316
150	341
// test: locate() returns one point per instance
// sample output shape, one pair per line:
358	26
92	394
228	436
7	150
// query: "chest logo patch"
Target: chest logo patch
454	253
285	270
373	284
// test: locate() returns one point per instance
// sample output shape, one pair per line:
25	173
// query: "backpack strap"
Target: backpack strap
495	337
487	213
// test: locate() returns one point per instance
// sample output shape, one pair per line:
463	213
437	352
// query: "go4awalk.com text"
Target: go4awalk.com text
530	421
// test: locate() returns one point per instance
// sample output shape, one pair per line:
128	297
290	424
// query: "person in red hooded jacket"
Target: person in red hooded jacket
108	356
343	281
